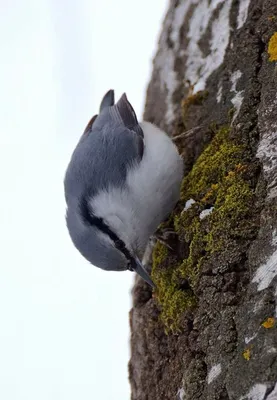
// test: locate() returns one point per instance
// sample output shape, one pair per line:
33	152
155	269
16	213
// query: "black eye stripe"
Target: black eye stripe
88	217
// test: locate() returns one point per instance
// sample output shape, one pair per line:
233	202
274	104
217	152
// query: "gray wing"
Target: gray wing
107	101
110	145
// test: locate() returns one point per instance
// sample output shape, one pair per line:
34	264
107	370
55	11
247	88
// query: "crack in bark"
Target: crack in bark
216	332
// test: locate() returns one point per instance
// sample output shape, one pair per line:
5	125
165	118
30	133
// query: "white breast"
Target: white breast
154	187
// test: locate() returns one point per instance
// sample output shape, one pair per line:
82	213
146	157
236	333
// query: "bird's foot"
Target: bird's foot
166	237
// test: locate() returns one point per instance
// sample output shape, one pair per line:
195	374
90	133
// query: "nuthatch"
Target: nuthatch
122	181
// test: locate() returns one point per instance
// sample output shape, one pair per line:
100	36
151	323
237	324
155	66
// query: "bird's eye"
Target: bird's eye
129	266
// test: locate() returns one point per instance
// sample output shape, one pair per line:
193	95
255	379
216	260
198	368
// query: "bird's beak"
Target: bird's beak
141	271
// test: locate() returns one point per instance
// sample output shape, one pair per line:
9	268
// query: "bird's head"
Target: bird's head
101	246
111	145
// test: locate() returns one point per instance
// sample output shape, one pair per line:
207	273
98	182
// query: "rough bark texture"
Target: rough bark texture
226	346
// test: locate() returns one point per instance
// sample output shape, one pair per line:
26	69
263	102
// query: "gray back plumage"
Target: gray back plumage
111	143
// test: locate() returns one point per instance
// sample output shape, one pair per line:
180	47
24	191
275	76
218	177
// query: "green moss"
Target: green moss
222	178
218	179
212	166
159	254
173	301
231	218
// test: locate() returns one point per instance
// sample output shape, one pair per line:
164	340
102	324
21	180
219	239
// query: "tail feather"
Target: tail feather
125	111
107	101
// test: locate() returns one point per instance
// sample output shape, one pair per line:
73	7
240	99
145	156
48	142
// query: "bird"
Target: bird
122	181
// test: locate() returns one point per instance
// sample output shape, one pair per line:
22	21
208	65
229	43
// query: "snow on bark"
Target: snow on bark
243	11
238	97
181	394
268	270
267	151
206	212
214	372
198	66
166	57
257	392
273	394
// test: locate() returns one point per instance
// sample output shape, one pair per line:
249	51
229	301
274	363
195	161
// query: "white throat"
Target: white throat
151	192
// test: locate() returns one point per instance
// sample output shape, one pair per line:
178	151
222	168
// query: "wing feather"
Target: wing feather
102	158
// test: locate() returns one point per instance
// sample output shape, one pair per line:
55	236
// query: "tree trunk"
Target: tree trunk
209	330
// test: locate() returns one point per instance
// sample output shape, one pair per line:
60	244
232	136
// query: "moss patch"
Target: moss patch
272	47
173	301
223	177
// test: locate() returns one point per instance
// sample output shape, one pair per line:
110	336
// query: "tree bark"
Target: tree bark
214	75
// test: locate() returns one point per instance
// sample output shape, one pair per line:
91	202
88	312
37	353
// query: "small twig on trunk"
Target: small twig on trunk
187	133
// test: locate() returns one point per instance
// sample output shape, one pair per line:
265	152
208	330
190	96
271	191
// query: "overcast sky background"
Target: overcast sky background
64	330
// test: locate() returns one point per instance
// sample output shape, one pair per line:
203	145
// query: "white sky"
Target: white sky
64	330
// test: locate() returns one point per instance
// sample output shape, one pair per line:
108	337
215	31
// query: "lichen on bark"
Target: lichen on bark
272	47
224	255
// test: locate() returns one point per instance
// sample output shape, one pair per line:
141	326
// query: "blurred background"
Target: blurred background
64	329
